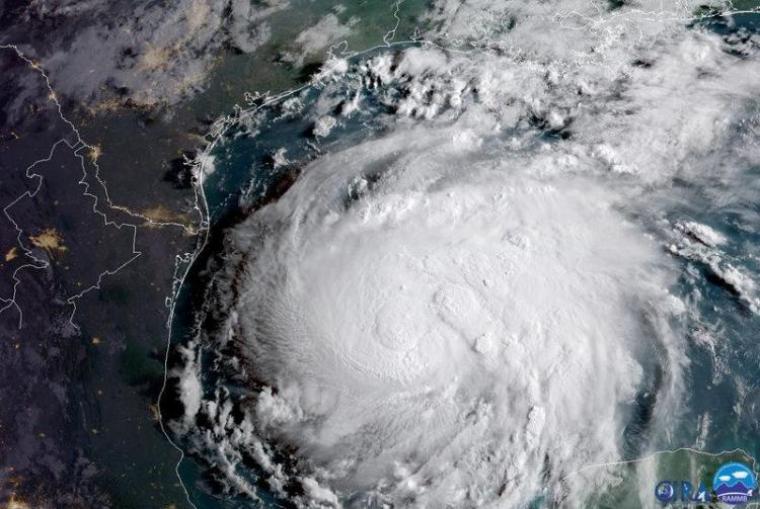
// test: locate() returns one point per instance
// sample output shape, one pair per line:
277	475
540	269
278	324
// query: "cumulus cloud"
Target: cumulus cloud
326	32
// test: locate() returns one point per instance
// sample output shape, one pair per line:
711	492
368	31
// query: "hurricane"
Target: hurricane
498	256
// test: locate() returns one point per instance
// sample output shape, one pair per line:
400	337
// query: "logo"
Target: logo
665	492
734	484
681	491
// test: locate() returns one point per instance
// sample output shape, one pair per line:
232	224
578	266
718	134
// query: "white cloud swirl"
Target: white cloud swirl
475	305
438	329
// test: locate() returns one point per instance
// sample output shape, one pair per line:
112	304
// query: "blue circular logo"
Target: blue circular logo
665	492
734	483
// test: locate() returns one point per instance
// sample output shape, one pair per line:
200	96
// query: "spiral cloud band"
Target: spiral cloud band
486	293
445	329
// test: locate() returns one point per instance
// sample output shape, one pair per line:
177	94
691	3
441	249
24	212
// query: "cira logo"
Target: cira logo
734	483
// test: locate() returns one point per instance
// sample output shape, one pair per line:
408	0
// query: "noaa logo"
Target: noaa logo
665	491
734	484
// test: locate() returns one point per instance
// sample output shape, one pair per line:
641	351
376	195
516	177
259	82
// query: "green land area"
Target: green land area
631	485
